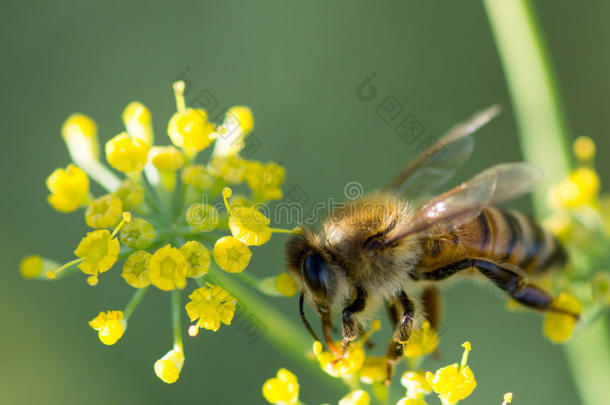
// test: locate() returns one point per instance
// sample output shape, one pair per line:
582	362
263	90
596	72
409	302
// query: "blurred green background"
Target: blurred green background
297	65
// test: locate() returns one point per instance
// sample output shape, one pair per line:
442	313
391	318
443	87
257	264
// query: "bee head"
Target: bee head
319	279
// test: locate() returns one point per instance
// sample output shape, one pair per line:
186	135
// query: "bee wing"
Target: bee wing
437	164
463	203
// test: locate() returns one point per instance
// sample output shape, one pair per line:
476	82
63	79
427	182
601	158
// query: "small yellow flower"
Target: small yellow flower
416	384
584	148
190	129
422	341
99	251
137	121
127	155
580	188
247	224
357	397
283	389
168	367
137	234
131	194
453	383
374	370
210	306
202	217
31	266
80	135
265	180
508	398
232	169
166	158
241	116
110	326
600	284
350	363
197	176
558	327
167	268
104	212
238	122
69	188
197	257
231	255
135	269
285	285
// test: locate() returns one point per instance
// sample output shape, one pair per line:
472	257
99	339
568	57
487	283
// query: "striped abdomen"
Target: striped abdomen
502	236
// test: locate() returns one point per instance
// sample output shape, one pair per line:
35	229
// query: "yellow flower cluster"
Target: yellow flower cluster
350	361
451	383
157	218
581	220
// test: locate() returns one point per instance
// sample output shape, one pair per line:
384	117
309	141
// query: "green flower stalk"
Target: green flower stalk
543	136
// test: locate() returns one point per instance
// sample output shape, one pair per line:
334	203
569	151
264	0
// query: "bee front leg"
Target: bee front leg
352	327
401	312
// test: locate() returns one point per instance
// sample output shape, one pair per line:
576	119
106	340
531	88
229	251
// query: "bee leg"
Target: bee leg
326	330
403	323
515	284
432	306
431	300
403	328
351	326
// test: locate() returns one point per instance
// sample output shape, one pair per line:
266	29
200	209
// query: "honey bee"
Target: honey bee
383	248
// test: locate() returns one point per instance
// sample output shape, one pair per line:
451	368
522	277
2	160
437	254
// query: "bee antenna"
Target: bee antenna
305	322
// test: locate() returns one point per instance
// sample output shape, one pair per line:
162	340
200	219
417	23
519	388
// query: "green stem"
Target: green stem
544	142
588	354
534	95
134	302
176	317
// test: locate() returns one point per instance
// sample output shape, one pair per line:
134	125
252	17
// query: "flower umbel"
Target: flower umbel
173	198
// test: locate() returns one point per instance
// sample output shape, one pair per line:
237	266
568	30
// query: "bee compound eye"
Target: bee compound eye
315	272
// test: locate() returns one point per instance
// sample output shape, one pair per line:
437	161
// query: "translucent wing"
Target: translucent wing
464	203
437	164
